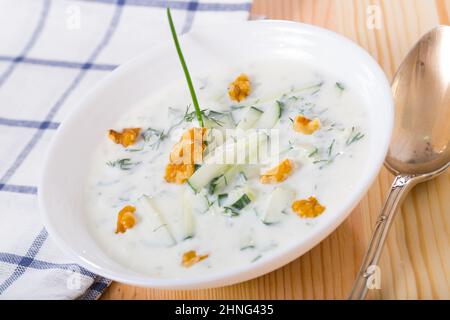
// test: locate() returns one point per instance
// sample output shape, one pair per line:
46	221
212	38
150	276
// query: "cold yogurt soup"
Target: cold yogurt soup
168	198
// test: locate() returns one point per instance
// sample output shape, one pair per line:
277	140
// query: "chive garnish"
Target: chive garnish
185	69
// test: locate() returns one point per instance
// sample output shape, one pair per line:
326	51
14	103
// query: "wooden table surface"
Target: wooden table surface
416	259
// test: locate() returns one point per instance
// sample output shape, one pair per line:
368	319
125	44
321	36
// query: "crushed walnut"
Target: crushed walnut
185	155
179	173
239	89
308	208
305	125
126	138
125	219
277	174
190	258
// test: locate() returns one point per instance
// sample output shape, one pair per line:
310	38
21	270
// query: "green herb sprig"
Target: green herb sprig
354	136
122	164
185	69
340	86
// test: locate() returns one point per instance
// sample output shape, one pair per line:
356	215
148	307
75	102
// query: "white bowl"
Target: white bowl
67	163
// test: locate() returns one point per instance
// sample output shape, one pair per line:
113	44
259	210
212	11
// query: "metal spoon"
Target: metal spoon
420	147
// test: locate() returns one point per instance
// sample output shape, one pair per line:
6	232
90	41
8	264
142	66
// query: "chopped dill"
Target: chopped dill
256	258
313	153
330	148
135	149
354	136
249	246
326	162
122	164
159	227
340	86
214	116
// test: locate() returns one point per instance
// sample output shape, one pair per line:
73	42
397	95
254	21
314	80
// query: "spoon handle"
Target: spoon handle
369	275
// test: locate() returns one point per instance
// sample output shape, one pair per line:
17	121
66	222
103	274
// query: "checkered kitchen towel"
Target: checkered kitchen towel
51	53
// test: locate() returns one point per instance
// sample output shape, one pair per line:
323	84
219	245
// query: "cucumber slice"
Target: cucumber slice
279	199
188	216
269	118
147	206
205	174
250	118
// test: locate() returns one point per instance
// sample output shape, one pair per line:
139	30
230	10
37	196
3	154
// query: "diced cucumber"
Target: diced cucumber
279	200
147	206
205	174
188	216
251	116
242	202
269	118
239	200
221	182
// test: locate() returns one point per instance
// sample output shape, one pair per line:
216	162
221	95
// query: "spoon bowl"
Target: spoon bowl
421	139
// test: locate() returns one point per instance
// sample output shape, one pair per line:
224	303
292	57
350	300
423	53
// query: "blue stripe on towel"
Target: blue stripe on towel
25	261
28	124
183	5
34	36
192	8
18	189
42	265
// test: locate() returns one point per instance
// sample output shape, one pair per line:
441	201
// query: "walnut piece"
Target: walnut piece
190	258
308	208
125	219
277	174
126	138
239	89
305	125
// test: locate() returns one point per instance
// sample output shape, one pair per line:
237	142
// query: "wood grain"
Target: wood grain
416	260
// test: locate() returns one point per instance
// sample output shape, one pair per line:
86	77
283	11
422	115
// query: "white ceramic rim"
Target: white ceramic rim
242	273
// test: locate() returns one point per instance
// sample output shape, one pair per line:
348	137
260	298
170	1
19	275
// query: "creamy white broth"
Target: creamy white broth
230	241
